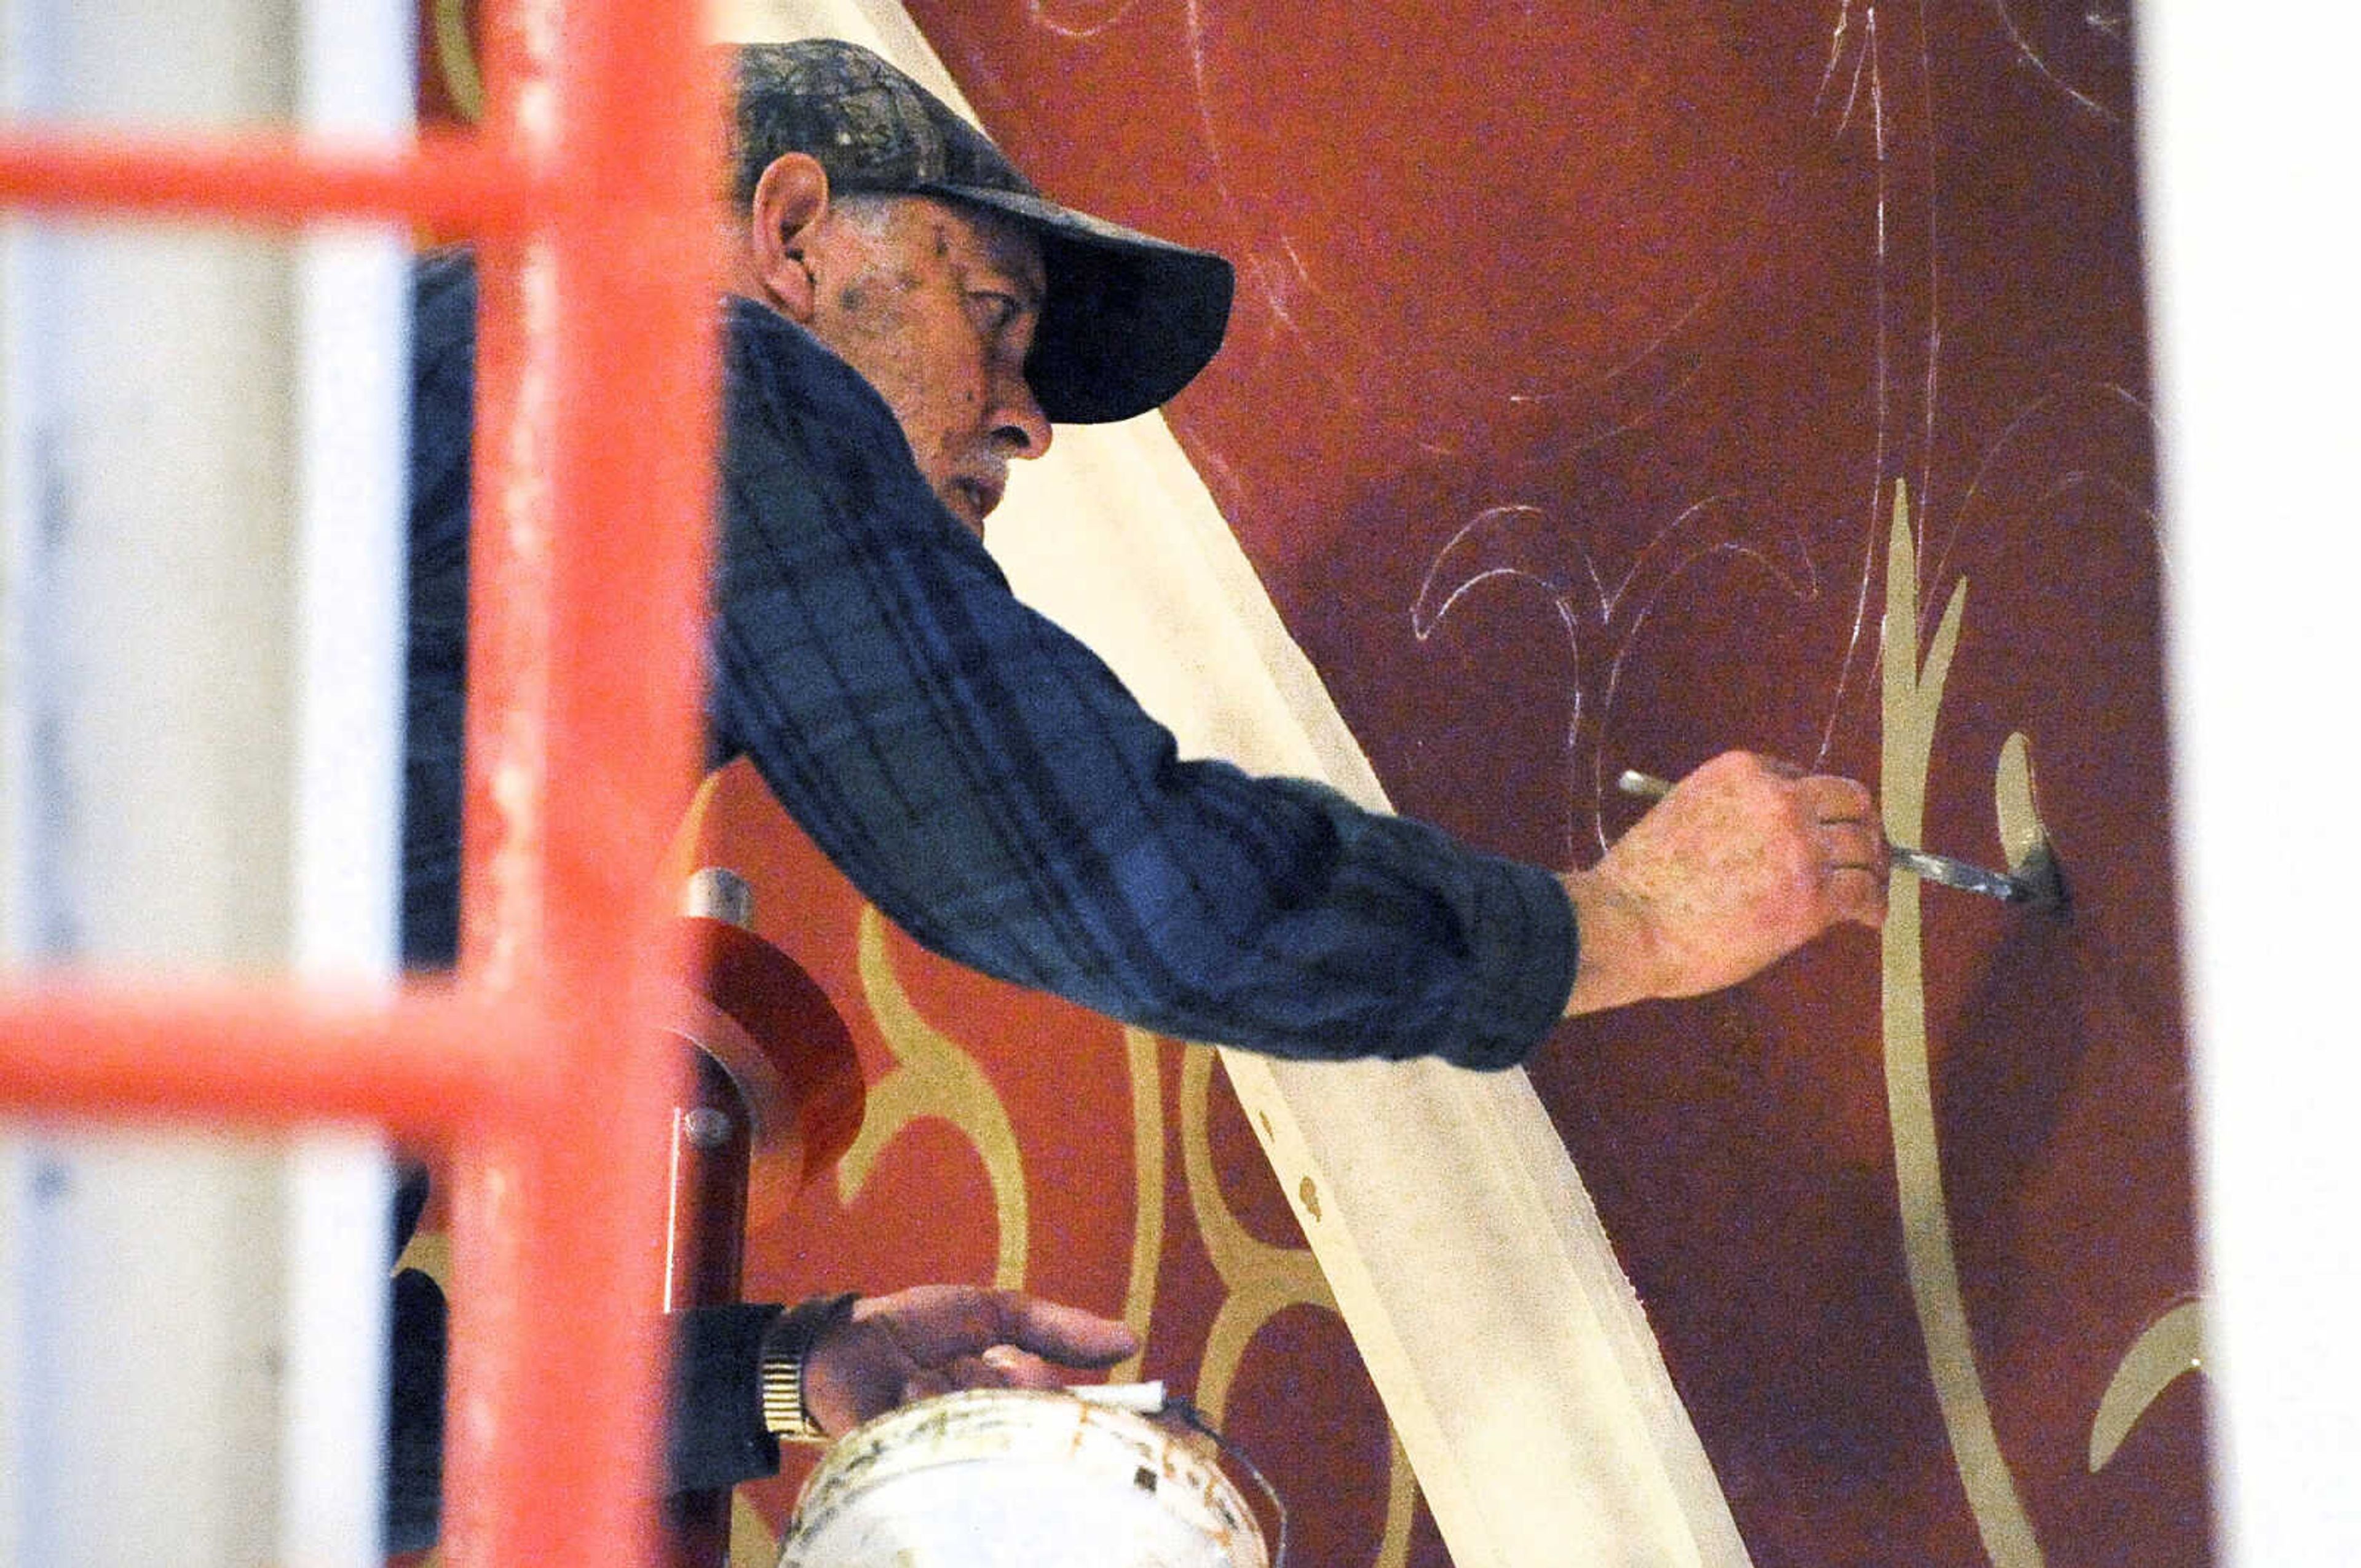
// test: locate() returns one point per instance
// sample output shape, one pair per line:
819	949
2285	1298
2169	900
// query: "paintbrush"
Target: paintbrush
2036	883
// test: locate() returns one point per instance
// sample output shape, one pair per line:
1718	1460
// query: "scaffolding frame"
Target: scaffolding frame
539	1071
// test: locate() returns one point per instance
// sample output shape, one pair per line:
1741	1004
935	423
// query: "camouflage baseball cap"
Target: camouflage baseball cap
1129	319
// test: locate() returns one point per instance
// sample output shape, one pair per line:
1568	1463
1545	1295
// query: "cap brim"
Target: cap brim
1129	319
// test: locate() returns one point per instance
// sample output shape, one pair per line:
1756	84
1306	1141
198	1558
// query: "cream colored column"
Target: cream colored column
2247	142
1509	1349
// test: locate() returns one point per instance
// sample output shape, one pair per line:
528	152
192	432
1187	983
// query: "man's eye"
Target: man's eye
993	312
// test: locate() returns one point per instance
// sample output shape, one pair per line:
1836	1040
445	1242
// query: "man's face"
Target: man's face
936	304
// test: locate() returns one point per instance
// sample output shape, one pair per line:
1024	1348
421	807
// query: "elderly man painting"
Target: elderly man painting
906	317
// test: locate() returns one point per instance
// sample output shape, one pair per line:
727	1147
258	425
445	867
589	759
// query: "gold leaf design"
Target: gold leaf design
1913	697
1261	1280
1147	1211
934	1076
2170	1346
2016	803
752	1542
455	56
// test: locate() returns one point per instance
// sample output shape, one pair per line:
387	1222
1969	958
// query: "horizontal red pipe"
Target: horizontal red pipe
429	1060
452	180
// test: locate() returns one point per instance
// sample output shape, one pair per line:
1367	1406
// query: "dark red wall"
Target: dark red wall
1580	354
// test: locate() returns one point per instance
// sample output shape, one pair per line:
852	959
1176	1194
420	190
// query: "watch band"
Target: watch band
786	1343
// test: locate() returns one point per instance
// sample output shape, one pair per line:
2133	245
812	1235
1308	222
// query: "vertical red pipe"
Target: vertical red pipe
705	1261
590	569
488	1457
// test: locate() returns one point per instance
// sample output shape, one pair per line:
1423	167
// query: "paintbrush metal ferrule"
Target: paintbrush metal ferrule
1949	872
1938	869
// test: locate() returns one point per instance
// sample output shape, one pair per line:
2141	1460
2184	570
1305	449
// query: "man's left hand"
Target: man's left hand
934	1339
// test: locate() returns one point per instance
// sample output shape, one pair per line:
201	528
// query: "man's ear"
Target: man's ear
783	221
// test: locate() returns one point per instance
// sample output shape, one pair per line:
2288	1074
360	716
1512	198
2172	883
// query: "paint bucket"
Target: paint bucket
1017	1478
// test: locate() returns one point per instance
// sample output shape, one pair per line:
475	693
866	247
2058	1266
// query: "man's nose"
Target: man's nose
1019	428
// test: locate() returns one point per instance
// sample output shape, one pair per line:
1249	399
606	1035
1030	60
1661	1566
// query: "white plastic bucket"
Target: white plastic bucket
1009	1478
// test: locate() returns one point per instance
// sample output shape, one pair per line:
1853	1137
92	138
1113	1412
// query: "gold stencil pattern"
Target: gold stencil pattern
1913	697
2171	1345
752	1542
2016	803
1261	1280
934	1076
1147	1211
455	54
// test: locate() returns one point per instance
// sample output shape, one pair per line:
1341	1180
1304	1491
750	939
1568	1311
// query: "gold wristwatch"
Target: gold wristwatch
786	1343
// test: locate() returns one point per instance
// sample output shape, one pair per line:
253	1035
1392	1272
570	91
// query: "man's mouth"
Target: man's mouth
979	498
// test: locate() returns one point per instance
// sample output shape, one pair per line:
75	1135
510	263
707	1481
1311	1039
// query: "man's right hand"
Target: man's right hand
1743	863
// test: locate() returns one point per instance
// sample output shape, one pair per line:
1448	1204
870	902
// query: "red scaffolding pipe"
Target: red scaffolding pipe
450	180
545	1073
423	1065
